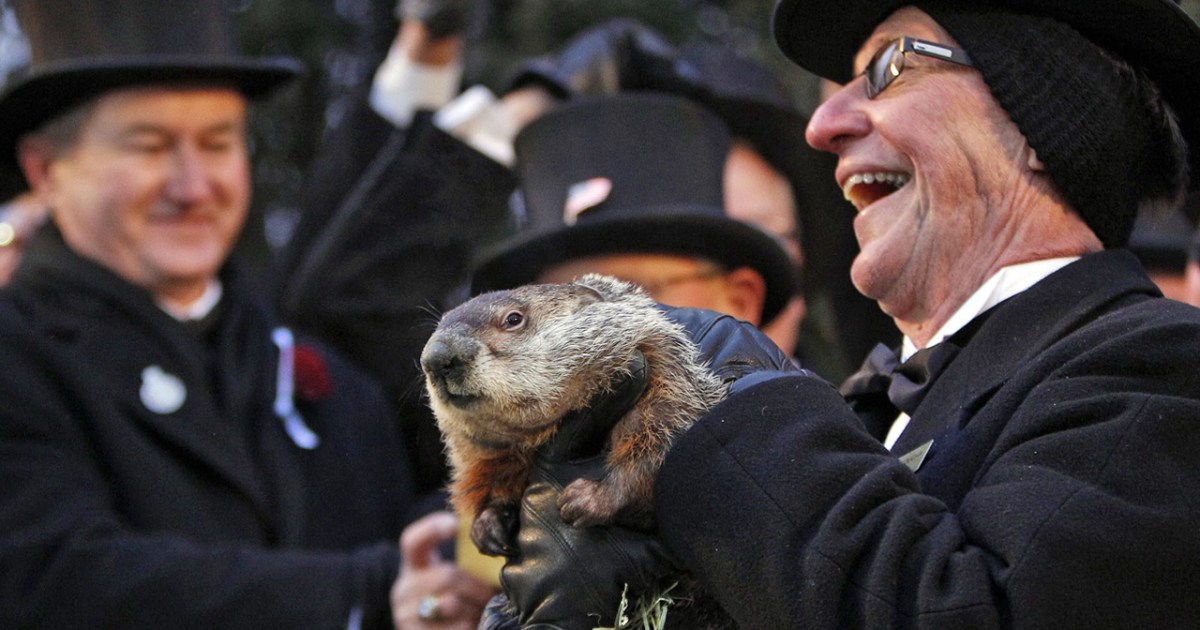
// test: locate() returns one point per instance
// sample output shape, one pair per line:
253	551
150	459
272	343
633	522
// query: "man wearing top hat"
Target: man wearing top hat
169	456
767	182
1034	461
631	185
402	202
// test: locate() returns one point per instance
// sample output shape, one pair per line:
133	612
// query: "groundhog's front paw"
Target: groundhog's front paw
494	530
585	502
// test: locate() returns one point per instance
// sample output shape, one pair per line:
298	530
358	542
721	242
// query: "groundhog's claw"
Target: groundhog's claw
585	502
494	531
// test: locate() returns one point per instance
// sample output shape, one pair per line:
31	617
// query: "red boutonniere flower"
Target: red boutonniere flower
311	374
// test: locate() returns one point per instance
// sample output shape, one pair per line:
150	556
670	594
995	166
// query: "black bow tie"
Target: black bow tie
904	383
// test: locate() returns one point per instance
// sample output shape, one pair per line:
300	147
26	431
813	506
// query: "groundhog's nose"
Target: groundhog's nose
445	360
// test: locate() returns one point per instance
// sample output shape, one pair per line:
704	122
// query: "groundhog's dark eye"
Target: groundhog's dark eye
514	320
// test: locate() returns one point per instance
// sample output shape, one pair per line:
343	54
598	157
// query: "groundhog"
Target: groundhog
503	368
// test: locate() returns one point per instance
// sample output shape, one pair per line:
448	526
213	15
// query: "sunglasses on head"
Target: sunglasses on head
888	62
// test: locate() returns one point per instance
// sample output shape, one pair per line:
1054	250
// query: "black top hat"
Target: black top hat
634	172
80	49
823	37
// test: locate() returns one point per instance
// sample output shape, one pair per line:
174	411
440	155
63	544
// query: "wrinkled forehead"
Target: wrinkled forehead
907	20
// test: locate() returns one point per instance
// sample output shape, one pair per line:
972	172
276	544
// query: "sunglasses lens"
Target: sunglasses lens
885	66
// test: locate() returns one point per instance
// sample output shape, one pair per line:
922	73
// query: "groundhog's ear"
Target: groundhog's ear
604	288
591	292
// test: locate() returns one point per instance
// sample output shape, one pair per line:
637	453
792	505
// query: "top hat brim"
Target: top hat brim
823	37
726	241
37	97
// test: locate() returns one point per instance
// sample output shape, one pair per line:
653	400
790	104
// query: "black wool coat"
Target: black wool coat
1062	488
391	221
146	480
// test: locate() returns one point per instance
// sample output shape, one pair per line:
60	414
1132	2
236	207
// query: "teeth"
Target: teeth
895	179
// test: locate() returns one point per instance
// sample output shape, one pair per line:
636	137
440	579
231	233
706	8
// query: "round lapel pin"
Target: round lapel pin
161	392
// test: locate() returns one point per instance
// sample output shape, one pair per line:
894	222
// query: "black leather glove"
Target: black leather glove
732	348
443	17
569	578
615	56
499	614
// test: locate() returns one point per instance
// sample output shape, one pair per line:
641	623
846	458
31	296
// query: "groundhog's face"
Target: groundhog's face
500	368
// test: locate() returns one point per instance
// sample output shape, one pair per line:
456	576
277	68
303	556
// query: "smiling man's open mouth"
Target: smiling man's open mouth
863	189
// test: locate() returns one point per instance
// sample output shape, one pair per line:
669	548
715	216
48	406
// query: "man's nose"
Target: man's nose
839	118
190	179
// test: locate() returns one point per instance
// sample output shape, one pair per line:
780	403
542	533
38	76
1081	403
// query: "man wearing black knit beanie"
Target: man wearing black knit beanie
1030	456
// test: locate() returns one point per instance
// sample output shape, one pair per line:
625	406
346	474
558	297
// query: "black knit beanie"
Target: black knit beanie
1080	116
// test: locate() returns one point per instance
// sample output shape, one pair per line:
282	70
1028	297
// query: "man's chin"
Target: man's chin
874	279
184	268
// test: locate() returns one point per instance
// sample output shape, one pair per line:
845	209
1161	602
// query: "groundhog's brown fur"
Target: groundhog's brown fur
505	367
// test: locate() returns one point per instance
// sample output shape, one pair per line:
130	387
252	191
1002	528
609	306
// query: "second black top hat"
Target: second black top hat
629	173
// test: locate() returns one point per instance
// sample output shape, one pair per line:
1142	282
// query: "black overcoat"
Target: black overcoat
1062	489
392	218
145	486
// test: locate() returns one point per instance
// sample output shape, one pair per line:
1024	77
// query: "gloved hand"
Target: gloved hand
732	348
615	56
571	578
442	17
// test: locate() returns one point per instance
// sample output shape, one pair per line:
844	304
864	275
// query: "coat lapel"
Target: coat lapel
1016	331
158	380
196	426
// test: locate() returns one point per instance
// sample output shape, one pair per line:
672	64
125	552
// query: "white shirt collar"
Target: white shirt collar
201	307
1005	283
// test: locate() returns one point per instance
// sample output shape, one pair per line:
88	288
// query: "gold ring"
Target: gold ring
429	608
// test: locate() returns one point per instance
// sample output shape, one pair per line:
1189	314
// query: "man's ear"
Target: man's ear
1033	162
34	155
745	293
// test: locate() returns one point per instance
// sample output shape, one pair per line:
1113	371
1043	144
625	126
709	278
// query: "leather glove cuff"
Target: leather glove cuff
616	56
731	347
